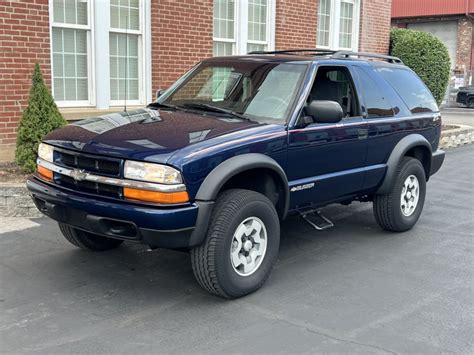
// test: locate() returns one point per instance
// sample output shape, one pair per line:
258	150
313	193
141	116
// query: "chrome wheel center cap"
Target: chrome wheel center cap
248	245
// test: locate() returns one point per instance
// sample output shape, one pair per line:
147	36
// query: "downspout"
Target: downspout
468	15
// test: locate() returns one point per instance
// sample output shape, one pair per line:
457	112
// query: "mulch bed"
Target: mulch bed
11	173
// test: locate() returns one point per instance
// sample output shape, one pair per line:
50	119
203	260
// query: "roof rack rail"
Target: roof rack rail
347	54
295	51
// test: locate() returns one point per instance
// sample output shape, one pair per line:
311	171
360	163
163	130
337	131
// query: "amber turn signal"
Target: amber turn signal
155	196
45	173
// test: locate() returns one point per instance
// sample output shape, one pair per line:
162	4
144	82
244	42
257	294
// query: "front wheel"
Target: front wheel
241	245
399	210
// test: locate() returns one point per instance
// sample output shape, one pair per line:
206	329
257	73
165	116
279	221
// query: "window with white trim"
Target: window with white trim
124	39
338	24
100	52
70	50
243	26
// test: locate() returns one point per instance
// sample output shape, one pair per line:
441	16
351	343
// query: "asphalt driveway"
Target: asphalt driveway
353	288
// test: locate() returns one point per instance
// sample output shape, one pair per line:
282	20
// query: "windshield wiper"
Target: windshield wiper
213	108
161	105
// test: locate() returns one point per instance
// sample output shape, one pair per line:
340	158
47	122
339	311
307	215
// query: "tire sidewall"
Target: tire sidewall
232	283
412	167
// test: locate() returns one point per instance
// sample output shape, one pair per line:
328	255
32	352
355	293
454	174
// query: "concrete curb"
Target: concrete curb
457	137
16	202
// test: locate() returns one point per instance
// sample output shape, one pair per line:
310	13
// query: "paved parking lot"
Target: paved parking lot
353	288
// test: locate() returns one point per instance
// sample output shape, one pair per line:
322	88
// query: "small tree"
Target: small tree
40	117
426	55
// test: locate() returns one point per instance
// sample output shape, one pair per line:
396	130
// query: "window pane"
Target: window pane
376	103
70	73
223	48
70	11
324	16
124	67
224	17
410	88
257	20
252	47
125	14
345	25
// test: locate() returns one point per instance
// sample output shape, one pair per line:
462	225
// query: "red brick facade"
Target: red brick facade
24	41
181	35
295	24
374	26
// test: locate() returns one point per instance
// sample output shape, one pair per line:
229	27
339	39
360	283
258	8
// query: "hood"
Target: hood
144	134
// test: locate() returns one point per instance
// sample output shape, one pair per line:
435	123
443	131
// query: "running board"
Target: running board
317	220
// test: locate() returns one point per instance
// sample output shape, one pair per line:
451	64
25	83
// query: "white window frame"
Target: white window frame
240	39
141	57
90	54
334	22
98	62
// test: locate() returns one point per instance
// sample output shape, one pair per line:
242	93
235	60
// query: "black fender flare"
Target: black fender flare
400	149
216	179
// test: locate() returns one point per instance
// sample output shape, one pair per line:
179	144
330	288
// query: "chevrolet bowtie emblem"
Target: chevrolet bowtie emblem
79	174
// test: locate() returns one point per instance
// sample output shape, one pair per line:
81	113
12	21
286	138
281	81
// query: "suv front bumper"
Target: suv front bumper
164	227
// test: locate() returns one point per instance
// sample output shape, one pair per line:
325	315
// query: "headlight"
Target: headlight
152	172
45	152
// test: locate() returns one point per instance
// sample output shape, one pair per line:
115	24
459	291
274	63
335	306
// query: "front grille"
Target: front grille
99	165
88	186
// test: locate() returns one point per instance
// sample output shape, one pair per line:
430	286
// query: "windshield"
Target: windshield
254	90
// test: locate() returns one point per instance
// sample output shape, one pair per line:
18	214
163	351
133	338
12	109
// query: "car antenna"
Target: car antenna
126	65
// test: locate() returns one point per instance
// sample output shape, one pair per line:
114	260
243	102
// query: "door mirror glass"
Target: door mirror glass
325	111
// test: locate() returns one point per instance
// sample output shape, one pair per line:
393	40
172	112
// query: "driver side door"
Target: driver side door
326	160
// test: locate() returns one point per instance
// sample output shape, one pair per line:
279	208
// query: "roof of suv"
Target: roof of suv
308	55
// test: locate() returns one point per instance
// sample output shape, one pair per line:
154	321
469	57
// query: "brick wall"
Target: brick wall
374	32
181	36
465	43
295	25
24	41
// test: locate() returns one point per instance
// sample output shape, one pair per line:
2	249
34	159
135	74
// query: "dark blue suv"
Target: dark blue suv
236	145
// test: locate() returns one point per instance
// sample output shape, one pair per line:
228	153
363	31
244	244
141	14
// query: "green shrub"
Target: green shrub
426	55
40	117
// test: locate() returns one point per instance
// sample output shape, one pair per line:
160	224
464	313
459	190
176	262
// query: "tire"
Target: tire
86	240
470	102
235	211
390	213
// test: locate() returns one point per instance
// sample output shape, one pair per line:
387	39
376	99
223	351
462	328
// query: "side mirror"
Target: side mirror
325	111
159	92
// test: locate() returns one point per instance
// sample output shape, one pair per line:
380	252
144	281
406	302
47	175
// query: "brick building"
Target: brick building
86	48
452	21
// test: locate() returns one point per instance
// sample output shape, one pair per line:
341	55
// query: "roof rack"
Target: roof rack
347	54
296	51
333	54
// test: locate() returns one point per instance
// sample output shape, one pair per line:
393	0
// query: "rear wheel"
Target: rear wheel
399	210
470	102
241	245
86	240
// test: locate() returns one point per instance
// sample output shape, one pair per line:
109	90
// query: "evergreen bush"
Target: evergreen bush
39	118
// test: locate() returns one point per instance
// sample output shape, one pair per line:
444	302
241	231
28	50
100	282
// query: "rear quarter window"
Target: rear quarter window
411	89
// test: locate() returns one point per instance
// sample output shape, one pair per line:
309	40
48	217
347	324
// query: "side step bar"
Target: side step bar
316	220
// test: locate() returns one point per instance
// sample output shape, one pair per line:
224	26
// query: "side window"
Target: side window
376	104
335	84
410	88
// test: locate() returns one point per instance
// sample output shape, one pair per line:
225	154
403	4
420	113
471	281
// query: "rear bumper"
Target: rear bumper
170	227
437	160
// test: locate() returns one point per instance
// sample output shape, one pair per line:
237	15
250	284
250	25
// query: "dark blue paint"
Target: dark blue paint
343	160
